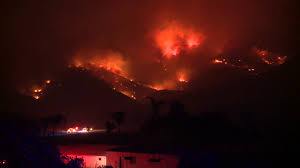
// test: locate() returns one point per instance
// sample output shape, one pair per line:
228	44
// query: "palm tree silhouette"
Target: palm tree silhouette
155	107
110	126
118	117
52	121
56	120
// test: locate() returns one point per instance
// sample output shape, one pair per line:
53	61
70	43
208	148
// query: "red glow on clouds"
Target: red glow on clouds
193	41
175	38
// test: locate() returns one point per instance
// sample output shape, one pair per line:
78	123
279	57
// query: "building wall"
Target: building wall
91	161
141	160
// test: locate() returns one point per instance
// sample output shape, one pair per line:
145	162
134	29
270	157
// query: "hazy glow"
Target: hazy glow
175	38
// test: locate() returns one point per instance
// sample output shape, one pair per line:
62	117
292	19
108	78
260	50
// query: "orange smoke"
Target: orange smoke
108	60
182	76
175	38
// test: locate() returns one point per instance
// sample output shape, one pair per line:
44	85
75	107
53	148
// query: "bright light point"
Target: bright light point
36	97
216	61
91	129
48	81
181	79
76	128
69	130
37	90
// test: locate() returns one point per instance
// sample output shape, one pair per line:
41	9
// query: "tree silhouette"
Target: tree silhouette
52	121
177	110
110	126
155	107
118	117
56	121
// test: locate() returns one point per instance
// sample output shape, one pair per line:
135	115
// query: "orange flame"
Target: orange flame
174	38
108	60
217	61
182	77
128	94
269	57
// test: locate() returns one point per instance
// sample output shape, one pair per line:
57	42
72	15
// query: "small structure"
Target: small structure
98	156
93	155
124	157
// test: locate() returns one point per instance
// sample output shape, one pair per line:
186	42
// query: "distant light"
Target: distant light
84	130
37	90
36	97
48	81
181	79
217	61
91	129
69	130
4	162
76	128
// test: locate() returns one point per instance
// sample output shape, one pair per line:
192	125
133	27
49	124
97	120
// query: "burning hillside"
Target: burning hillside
172	68
178	52
175	38
36	89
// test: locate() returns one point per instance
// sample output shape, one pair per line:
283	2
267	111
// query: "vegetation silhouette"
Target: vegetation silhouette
52	122
110	126
118	117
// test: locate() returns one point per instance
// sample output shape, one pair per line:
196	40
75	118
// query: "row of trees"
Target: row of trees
117	118
51	123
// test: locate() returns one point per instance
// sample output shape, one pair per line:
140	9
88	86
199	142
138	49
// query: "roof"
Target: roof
143	149
85	149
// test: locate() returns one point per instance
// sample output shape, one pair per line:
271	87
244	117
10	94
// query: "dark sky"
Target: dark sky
40	39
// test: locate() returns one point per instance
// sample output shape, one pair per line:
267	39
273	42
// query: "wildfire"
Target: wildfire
181	77
175	38
37	90
218	61
193	41
128	94
251	69
269	57
236	64
108	60
157	88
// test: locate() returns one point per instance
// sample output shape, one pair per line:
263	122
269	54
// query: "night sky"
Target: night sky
169	49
